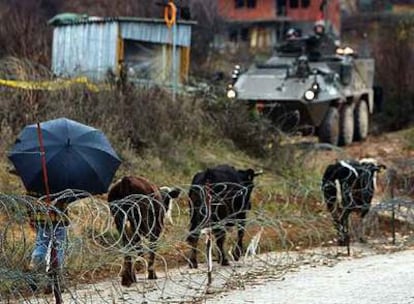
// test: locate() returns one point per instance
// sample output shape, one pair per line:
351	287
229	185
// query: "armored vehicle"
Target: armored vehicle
328	90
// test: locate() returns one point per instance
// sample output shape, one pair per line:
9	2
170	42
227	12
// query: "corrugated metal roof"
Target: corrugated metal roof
142	29
156	33
93	19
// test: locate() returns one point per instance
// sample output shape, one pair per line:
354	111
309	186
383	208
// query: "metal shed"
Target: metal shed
100	48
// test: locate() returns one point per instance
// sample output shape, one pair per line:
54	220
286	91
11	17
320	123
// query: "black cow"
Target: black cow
143	205
219	198
348	186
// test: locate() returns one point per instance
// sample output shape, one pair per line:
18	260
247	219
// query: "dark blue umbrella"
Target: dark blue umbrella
77	157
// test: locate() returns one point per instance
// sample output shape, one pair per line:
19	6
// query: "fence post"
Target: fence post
391	186
209	235
54	267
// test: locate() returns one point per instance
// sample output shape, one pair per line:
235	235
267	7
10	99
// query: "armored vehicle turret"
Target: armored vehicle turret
314	85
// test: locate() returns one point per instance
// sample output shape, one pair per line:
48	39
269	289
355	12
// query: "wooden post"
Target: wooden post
184	63
43	159
53	254
209	236
391	183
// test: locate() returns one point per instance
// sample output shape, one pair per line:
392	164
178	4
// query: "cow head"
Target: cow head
246	178
167	195
372	164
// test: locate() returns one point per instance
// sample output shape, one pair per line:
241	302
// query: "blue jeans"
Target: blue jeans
44	233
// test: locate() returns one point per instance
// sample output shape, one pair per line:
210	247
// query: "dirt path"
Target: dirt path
283	277
386	278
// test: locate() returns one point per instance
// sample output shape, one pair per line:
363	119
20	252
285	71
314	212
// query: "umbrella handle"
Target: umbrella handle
43	158
53	253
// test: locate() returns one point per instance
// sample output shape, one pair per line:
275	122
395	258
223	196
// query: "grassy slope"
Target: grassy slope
287	206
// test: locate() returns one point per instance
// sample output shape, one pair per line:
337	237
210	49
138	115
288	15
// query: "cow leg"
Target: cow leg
361	226
220	235
334	197
344	238
151	271
239	250
338	216
153	248
132	240
341	231
192	240
128	274
344	218
336	213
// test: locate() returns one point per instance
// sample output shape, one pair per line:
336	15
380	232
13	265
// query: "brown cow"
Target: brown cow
143	205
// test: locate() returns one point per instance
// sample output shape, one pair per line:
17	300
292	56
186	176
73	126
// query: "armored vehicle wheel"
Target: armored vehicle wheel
361	120
329	129
346	125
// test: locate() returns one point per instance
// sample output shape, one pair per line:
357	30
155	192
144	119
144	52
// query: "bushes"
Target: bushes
138	119
257	137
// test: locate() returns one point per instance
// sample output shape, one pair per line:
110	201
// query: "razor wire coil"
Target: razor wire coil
279	236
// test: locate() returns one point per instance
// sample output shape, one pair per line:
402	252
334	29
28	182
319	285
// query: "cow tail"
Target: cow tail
329	188
124	185
209	175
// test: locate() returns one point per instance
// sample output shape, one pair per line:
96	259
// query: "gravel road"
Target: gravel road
387	278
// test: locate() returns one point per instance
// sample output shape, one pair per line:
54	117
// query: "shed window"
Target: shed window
294	3
305	3
142	59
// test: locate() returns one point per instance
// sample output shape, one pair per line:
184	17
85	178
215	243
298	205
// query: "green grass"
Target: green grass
286	202
408	136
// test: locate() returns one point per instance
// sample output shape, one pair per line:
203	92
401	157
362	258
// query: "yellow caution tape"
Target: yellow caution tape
51	85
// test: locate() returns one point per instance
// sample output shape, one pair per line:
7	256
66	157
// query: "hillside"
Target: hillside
287	208
168	140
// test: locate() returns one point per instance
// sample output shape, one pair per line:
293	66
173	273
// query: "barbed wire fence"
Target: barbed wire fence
281	233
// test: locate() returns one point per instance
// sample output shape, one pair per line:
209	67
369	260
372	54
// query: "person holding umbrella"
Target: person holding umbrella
51	157
50	223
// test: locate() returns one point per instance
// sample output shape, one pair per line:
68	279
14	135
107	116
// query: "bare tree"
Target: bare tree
209	23
395	69
24	32
114	8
